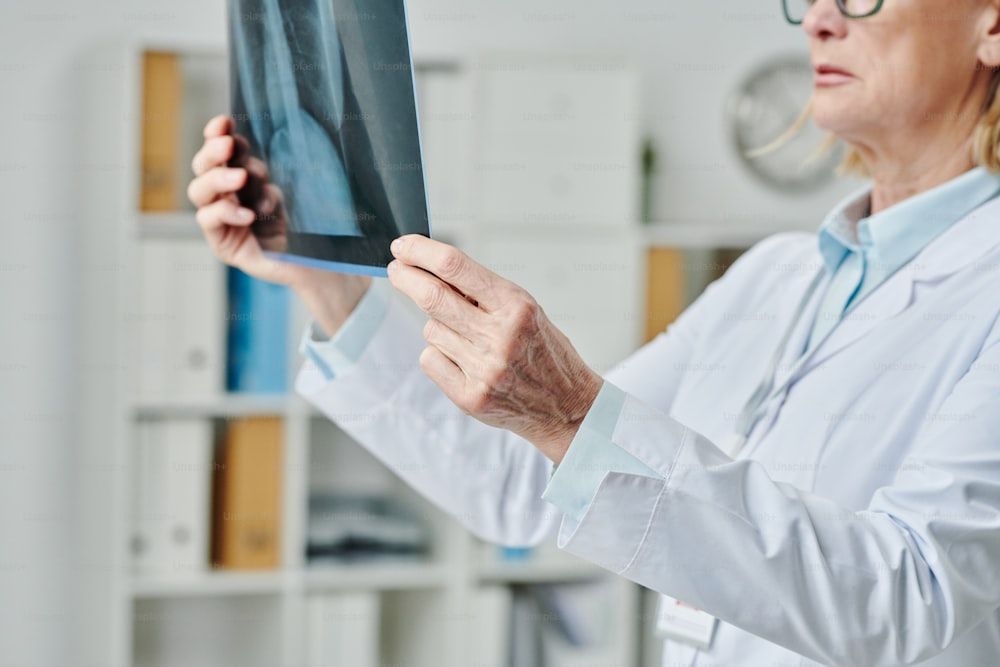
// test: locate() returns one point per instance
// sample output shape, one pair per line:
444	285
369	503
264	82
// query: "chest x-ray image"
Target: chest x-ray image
325	120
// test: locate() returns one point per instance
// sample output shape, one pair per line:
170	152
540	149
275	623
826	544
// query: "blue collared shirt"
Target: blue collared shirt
860	251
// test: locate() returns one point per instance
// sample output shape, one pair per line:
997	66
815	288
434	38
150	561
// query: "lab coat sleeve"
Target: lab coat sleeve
489	479
592	453
891	585
333	356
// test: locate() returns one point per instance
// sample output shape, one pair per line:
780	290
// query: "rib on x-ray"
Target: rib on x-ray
322	91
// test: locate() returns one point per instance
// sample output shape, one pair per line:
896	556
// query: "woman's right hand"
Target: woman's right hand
223	168
225	173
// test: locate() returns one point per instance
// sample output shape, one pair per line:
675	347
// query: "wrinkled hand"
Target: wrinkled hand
491	349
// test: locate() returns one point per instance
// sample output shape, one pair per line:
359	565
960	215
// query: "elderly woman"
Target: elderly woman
829	489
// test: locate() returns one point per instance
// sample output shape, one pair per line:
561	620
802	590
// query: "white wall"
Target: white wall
61	172
692	56
60	179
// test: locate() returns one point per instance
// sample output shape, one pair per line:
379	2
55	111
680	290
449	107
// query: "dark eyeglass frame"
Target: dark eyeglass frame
840	6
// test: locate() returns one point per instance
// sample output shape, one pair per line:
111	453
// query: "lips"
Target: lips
831	69
830	75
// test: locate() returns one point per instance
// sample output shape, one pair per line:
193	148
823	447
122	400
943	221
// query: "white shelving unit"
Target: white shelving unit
260	618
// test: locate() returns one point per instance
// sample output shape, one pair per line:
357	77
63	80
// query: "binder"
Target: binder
248	486
161	131
665	289
257	336
148	553
172	499
343	629
179	321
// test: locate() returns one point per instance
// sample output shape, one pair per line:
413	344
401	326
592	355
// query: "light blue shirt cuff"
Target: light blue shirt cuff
591	455
333	356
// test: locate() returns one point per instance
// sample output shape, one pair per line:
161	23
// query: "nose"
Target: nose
824	20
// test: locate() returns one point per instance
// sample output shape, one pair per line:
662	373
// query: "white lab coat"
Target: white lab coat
860	525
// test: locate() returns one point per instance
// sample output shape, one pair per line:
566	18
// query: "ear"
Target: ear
989	44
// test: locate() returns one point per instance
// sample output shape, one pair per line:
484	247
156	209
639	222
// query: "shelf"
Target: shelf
209	584
545	569
226	405
388	575
713	234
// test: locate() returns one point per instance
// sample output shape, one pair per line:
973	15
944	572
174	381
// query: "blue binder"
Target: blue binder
257	335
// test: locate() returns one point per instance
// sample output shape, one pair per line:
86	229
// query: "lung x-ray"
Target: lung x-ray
323	98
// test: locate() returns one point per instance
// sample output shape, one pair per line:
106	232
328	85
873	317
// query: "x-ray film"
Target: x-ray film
325	117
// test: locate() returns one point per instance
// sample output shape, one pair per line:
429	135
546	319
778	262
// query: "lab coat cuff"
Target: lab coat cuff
333	356
616	521
591	454
391	354
614	525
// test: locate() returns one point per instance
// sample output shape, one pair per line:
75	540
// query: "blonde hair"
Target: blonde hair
985	138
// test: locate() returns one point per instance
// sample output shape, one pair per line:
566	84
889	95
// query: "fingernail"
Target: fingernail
266	205
396	247
245	215
234	176
391	269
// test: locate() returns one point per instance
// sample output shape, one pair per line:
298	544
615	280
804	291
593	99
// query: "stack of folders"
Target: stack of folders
181	321
361	527
198	505
343	629
179	356
171	489
203	328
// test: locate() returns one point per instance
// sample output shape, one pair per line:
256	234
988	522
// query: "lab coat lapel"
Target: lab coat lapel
961	245
884	303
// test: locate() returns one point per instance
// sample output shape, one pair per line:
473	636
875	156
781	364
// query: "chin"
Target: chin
833	116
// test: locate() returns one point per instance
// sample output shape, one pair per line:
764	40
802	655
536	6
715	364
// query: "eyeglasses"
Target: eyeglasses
795	10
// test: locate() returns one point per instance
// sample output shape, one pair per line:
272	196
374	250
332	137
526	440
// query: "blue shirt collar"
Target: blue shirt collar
892	237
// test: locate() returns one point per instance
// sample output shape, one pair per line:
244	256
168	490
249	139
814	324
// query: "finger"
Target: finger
215	152
443	372
270	200
271	220
224	212
241	151
449	264
215	183
258	168
452	344
436	298
217	126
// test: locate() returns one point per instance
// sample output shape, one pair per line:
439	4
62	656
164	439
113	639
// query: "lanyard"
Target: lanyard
750	413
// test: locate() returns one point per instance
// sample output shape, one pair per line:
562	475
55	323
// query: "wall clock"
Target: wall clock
767	103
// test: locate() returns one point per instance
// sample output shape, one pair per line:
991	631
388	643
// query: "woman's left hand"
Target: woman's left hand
491	349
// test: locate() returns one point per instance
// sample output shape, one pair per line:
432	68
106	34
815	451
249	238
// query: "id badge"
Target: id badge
684	623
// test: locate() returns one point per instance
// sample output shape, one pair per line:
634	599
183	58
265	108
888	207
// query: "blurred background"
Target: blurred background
165	499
